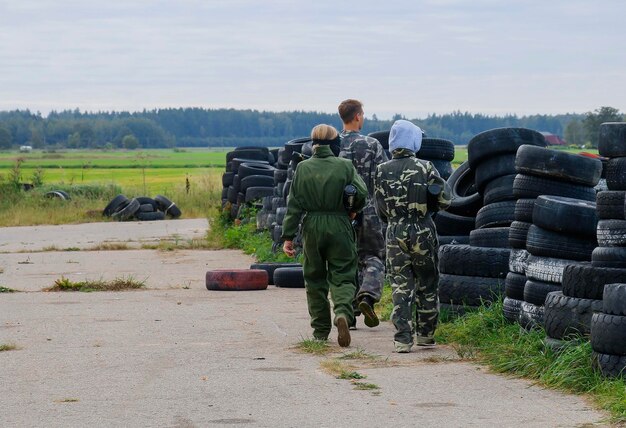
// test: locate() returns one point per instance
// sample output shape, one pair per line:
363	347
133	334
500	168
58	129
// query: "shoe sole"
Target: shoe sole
370	317
343	338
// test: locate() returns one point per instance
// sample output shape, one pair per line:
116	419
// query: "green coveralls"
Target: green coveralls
329	246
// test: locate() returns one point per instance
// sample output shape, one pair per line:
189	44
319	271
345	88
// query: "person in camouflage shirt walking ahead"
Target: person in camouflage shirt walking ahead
402	199
366	153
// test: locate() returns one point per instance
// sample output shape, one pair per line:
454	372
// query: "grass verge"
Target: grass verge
117	284
485	336
7	290
312	346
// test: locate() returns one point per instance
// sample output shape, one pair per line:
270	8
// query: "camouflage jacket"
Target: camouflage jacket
401	188
366	153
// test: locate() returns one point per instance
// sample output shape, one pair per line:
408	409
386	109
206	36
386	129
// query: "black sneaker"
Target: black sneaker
366	306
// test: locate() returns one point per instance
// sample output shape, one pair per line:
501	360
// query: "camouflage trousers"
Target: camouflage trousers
371	252
412	262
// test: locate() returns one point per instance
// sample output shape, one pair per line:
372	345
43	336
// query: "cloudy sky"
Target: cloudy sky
408	57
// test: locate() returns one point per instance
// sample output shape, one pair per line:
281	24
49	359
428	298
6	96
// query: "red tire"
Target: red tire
236	279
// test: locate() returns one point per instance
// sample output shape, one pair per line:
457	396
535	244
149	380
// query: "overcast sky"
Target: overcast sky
408	57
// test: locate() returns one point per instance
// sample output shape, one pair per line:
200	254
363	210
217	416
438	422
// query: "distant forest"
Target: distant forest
197	127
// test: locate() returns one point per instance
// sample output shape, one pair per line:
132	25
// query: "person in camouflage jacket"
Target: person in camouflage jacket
366	153
330	259
402	198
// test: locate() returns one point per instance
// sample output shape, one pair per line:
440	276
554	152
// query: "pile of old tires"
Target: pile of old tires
608	332
482	210
556	223
249	177
142	208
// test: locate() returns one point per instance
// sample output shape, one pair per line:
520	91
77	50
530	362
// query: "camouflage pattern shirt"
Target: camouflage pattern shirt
366	153
401	188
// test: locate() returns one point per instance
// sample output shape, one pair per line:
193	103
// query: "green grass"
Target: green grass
313	346
7	290
487	337
117	284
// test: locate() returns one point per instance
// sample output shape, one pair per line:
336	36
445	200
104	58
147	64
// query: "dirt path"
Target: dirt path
178	355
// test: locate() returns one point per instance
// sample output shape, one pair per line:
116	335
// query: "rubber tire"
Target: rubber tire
495	237
499	214
492	168
277	202
566	215
466	201
612	139
535	292
514	285
289	277
611	257
168	207
444	168
150	215
146	208
452	224
280	215
277	234
280	176
248	152
531	316
569	316
247	169
237	162
257	193
227	179
609	365
256	181
236	279
547	269
518	261
610	204
469	290
127	211
524	210
559	165
453	239
382	137
611	233
518	232
499	189
588	282
474	261
436	149
529	186
115	203
231	194
55	194
501	140
608	334
542	242
511	309
271	267
615	299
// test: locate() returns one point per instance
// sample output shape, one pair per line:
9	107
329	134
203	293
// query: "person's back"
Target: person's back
365	153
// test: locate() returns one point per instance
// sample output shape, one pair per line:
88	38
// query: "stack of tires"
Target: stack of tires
141	208
608	332
563	220
249	177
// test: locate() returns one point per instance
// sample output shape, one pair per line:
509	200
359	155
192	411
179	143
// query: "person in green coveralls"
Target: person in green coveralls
329	240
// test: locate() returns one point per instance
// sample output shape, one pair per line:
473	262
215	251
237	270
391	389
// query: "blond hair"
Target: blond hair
324	132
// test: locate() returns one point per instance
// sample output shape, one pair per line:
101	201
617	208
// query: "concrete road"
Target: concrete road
178	355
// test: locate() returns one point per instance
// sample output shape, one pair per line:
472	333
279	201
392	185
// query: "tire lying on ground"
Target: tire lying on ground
511	309
150	215
531	316
474	261
609	365
608	334
271	267
115	203
167	206
59	194
569	316
614	299
236	279
289	277
126	211
514	285
469	290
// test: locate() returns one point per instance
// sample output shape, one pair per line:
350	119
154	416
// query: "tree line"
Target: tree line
198	127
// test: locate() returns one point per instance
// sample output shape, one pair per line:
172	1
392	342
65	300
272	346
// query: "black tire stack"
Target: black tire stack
248	178
563	224
608	332
484	189
141	208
